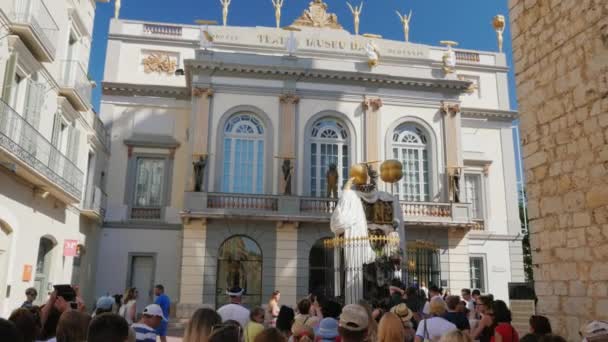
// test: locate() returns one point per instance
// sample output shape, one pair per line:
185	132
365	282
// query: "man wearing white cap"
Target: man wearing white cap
595	331
151	319
234	310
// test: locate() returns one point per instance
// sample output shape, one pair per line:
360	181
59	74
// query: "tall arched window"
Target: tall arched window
243	155
410	147
329	145
239	264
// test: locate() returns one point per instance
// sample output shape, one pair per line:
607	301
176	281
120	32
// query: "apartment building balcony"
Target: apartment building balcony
313	209
74	84
33	22
95	204
25	151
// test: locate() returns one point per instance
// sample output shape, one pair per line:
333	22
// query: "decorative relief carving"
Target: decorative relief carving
160	63
374	104
289	98
473	87
450	107
198	92
316	16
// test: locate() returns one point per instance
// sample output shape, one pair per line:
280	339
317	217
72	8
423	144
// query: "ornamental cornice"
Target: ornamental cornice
490	113
129	89
320	74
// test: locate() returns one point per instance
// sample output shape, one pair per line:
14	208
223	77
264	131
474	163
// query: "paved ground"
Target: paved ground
174	335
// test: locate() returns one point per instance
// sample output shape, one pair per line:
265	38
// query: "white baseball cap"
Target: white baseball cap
154	310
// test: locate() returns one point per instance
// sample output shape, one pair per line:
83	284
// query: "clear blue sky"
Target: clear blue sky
468	22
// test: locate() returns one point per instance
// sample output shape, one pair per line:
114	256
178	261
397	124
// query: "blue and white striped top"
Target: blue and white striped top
144	333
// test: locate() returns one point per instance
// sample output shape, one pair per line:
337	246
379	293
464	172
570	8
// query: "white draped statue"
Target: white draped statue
349	219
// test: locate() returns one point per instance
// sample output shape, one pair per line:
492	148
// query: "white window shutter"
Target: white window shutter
56	129
9	76
75	146
33	103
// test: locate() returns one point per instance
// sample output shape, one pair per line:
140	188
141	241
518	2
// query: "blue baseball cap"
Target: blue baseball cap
105	303
327	329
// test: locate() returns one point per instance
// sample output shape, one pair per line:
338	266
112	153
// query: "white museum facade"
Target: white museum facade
53	150
243	103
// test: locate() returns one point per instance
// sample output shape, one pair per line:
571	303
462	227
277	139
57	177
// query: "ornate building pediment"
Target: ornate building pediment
317	16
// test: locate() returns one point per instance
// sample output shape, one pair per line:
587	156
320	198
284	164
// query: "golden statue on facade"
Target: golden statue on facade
449	57
225	4
277	4
332	177
356	11
405	21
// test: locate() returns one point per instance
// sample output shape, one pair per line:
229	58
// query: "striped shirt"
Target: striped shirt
144	333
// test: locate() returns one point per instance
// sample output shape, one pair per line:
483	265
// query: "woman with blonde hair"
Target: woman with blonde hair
200	325
272	311
456	336
390	328
129	306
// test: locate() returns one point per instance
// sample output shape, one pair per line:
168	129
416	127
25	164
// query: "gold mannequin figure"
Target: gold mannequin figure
116	8
225	4
356	11
499	26
405	20
277	4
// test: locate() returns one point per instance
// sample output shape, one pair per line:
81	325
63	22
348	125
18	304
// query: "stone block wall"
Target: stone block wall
560	51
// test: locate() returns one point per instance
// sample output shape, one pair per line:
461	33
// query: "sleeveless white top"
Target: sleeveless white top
125	309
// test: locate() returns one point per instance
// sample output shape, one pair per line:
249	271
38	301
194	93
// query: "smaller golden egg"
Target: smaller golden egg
391	171
359	172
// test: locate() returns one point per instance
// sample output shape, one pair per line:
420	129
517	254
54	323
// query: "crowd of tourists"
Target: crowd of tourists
412	314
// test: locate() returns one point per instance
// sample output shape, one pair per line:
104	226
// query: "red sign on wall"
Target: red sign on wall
27	273
70	247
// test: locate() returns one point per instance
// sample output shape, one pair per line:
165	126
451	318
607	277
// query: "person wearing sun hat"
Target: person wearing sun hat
327	331
353	323
234	310
405	315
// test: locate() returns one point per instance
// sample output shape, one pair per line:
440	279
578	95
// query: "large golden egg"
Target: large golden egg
359	172
391	171
499	22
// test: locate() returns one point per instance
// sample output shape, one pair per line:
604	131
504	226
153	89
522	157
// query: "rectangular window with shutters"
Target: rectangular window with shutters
478	273
149	189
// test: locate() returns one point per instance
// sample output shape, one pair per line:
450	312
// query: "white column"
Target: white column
286	266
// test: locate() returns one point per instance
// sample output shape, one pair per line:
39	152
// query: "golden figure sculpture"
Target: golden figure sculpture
277	4
332	181
116	8
499	26
225	4
356	11
405	20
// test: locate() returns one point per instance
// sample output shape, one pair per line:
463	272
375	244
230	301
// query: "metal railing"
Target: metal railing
37	15
74	76
426	209
317	205
23	140
242	201
163	30
146	213
97	201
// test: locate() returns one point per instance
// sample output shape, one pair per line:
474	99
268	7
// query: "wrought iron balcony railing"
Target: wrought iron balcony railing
24	141
35	14
73	76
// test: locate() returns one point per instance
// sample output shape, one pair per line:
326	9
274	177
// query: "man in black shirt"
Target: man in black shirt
458	318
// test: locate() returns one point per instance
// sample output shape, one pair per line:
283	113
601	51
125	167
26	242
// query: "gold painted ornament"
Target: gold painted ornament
391	171
359	173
